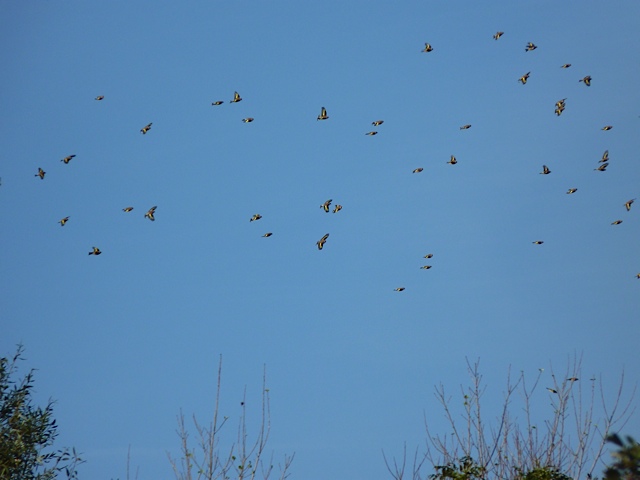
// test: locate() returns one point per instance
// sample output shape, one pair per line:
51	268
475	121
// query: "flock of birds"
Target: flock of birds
560	106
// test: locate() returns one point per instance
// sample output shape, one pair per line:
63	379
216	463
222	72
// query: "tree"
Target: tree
570	443
243	459
627	459
27	431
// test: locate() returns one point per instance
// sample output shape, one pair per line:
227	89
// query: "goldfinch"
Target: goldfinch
150	213
323	114
322	241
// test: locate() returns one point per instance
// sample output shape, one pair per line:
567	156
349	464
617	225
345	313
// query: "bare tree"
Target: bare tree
570	442
243	459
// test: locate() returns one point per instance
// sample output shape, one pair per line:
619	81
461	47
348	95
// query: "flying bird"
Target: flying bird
453	160
607	127
566	65
545	170
605	157
100	97
427	48
268	234
498	35
428	255
399	289
572	379
325	205
150	213
572	190
127	209
247	120
602	167
145	129
530	46
257	216
638	275
236	98
538	242
337	208
323	114
559	110
41	173
377	123
67	159
217	102
371	133
628	204
426	267
552	390
524	78
418	170
586	80
617	222
322	241
63	221
561	103
95	251
465	127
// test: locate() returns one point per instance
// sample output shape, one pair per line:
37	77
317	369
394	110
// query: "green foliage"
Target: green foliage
627	459
543	473
27	431
466	469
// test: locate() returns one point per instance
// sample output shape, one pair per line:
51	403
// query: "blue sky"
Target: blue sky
126	339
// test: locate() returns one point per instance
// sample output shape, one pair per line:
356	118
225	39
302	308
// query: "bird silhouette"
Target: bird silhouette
268	234
617	222
545	170
399	289
377	123
257	216
67	159
453	160
530	47
323	114
217	102
247	120
337	208
628	204
538	242
41	173
418	170
236	98
428	255
465	127
497	35
607	127
100	97
572	190
127	209
427	48
150	213
566	65
63	221
586	80
371	133
605	157
523	79
602	167
326	205
146	128
95	251
426	267
320	243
